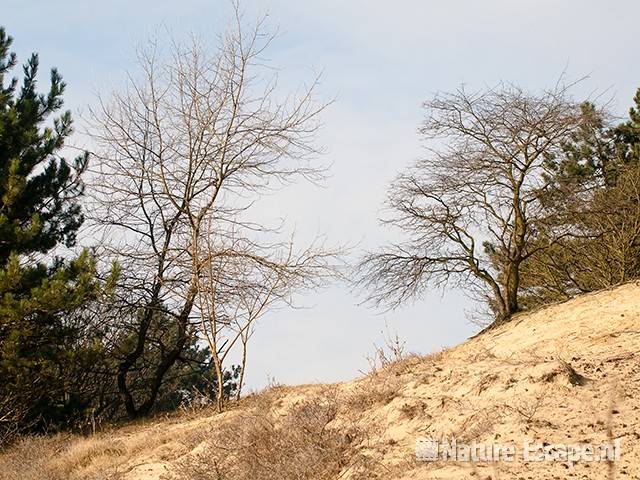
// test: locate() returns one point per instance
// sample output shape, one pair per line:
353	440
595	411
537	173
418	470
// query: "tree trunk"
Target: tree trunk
219	384
130	359
242	368
163	367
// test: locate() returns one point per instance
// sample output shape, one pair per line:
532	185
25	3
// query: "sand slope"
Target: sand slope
569	373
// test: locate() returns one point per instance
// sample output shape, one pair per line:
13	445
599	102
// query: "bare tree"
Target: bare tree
193	141
240	281
471	208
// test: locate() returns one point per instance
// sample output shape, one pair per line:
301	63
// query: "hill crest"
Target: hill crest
564	374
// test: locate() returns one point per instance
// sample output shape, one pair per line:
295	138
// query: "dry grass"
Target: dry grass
566	374
103	456
301	445
55	458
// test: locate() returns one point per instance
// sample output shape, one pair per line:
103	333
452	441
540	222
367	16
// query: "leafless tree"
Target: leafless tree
470	209
183	153
240	281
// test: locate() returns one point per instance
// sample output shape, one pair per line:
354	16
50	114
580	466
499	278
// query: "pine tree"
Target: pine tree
39	211
593	197
627	135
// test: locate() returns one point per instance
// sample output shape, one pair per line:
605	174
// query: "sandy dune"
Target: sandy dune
563	375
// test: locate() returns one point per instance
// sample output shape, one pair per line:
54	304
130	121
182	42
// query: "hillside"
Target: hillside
565	374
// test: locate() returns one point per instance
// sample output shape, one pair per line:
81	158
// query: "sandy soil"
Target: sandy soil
563	375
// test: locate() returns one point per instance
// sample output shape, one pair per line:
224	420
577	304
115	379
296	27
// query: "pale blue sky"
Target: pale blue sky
381	59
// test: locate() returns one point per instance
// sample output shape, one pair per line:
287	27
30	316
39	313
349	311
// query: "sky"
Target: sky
380	60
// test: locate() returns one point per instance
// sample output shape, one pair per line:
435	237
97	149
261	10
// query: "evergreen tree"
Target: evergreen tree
626	136
593	198
39	211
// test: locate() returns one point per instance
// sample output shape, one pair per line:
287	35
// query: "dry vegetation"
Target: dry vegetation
568	373
300	444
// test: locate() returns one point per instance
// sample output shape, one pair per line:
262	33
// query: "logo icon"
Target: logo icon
426	449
